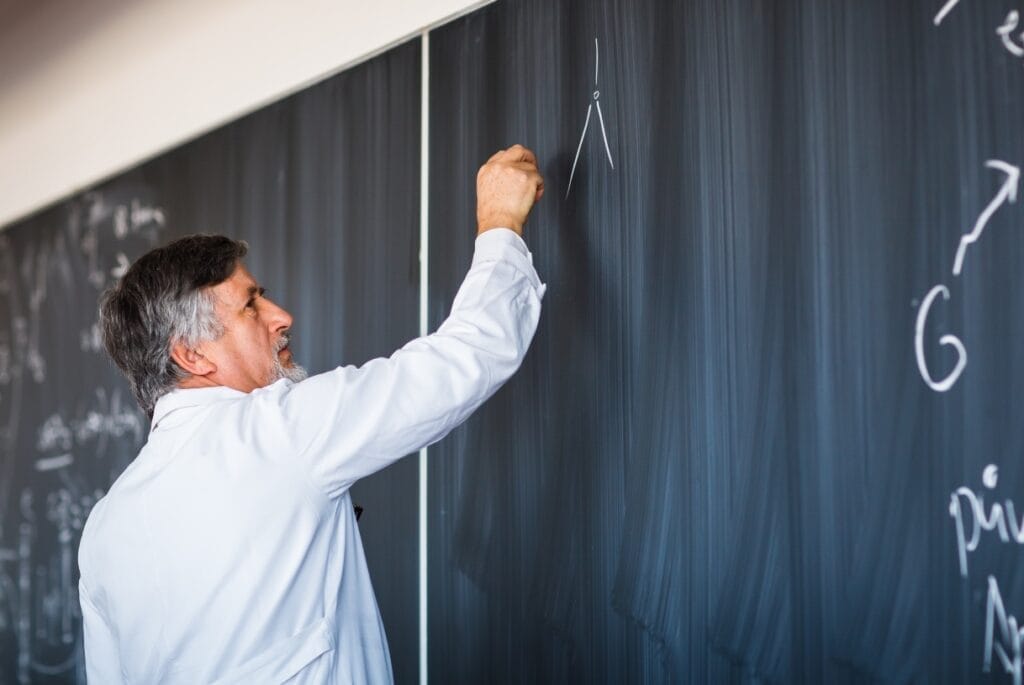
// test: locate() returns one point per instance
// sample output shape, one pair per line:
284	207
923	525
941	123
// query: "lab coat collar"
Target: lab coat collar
180	398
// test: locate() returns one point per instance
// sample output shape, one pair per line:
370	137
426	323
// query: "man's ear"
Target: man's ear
191	360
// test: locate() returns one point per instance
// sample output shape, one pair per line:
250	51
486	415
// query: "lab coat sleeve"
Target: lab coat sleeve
102	663
351	422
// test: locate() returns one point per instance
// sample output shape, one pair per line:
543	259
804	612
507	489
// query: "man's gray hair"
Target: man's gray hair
164	299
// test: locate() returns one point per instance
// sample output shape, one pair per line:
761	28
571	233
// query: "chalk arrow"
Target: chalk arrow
946	9
1008	193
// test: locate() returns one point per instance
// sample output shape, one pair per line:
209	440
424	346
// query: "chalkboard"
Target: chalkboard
721	460
325	188
769	429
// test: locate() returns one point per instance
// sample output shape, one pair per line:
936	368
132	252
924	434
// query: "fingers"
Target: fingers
533	177
523	158
516	153
508	185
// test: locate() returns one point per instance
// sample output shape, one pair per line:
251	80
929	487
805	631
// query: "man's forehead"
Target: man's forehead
240	284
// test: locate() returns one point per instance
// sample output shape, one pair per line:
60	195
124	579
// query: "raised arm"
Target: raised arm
351	422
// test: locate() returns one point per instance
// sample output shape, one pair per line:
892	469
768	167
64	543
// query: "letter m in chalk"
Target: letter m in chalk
1008	647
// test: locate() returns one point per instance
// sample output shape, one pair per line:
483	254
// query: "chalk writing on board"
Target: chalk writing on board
125	220
39	597
110	417
53	434
5	361
1005	33
948	339
1007	644
967	508
594	104
91	338
990	476
137	216
1004	30
46	494
1001	517
1007	194
122	266
946	9
53	463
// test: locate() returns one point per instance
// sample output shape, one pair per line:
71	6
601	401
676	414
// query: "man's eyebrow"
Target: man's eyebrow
253	291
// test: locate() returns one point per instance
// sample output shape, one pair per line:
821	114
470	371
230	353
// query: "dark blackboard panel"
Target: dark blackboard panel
325	187
70	424
720	461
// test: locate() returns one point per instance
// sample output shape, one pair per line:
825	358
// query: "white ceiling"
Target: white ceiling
89	88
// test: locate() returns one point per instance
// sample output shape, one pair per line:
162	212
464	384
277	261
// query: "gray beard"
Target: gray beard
294	373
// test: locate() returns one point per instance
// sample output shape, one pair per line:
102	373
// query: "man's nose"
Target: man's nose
279	317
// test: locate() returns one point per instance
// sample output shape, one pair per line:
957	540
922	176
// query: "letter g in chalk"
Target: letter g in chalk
922	365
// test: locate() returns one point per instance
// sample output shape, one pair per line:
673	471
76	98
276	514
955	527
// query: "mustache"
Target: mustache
282	342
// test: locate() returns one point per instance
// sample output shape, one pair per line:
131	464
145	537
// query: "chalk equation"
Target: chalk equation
39	601
971	518
1007	194
1012	41
67	424
111	417
594	104
1006	31
1007	643
946	9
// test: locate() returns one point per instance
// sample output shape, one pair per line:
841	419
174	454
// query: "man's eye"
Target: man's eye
251	304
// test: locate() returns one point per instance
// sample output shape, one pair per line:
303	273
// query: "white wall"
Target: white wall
88	89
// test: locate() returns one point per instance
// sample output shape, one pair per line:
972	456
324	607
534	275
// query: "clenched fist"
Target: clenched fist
506	188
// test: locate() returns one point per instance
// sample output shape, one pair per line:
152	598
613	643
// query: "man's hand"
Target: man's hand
506	188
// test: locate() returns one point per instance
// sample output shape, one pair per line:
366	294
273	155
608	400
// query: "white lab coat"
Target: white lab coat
228	551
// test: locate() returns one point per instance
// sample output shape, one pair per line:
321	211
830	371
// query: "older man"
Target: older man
228	550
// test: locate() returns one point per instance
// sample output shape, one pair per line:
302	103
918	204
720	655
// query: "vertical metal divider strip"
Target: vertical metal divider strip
424	253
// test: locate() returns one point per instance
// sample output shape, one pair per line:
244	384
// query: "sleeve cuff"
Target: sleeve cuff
504	244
